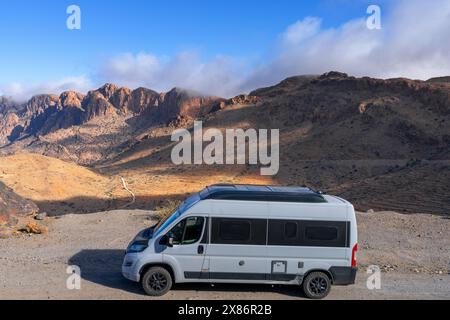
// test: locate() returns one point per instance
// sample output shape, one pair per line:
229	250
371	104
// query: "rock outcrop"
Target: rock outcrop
8	123
185	104
47	113
12	205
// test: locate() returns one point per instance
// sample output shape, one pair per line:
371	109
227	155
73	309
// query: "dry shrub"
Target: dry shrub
168	208
34	227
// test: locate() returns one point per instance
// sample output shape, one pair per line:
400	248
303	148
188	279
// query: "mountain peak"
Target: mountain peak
107	90
333	75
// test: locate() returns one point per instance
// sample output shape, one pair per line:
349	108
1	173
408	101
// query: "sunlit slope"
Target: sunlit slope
50	182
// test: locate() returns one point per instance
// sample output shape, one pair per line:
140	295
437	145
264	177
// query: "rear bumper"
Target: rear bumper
343	275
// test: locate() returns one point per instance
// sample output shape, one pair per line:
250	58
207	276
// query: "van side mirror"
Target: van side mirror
166	241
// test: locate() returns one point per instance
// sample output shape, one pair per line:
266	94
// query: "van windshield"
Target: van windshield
164	223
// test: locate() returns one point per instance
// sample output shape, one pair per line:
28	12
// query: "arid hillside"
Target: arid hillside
59	187
382	144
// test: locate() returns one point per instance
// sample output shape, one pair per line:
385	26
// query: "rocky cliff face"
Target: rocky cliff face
8	123
142	99
47	113
7	105
12	205
180	103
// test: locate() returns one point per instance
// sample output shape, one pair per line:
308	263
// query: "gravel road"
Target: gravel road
413	252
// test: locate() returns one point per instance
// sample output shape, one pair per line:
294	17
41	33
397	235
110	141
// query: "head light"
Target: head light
137	246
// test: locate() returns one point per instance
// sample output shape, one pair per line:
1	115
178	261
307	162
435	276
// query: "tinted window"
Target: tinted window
308	233
284	232
321	233
290	230
238	231
234	230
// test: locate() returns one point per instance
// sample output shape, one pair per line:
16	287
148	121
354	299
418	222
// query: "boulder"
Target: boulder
12	205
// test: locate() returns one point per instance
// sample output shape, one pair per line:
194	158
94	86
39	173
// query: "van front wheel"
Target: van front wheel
156	281
316	285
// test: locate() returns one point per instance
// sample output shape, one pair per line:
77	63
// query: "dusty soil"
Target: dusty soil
413	252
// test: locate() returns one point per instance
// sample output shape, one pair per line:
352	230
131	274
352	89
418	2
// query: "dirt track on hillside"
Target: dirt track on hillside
413	252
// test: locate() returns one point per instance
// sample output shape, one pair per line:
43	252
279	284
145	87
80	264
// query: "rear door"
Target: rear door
301	237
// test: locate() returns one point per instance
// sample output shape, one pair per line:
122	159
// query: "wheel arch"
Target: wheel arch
166	266
326	272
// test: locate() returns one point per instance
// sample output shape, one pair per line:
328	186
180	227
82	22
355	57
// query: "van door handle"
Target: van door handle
200	249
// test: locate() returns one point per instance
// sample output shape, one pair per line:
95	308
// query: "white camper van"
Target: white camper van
249	234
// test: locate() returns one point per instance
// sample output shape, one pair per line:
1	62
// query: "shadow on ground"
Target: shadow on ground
103	267
86	204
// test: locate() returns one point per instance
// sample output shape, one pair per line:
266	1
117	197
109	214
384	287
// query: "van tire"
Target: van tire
316	285
156	281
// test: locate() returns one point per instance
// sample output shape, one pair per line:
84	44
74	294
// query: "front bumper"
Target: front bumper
130	268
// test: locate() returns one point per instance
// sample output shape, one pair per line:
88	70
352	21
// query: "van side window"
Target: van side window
187	231
284	232
290	230
177	232
194	228
321	233
238	231
308	233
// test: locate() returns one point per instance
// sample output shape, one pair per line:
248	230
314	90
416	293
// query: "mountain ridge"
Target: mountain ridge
382	144
45	113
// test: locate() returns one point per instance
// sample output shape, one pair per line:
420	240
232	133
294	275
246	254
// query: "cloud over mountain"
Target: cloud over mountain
21	92
412	43
219	76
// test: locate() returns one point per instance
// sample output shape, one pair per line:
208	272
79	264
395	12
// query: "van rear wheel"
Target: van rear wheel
157	281
316	285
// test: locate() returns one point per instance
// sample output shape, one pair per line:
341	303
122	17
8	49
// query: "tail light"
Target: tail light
355	248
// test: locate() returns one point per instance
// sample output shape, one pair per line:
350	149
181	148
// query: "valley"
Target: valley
381	144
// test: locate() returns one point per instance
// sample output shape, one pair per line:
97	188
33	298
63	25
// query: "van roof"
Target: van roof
261	193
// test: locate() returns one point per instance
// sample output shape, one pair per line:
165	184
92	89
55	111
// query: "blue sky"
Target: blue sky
39	49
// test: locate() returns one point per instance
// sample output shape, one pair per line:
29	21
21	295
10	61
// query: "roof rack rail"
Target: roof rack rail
250	192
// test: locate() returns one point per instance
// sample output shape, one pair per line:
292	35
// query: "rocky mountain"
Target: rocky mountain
47	113
361	118
383	144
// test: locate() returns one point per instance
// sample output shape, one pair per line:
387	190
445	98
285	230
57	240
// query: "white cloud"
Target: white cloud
220	76
302	30
20	92
413	42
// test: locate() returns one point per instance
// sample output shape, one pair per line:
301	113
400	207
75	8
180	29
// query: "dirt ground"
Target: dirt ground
413	252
